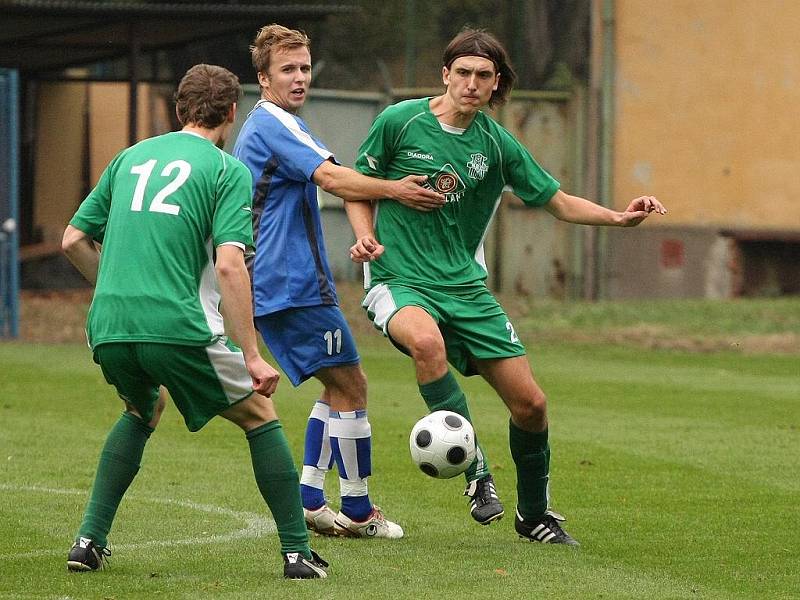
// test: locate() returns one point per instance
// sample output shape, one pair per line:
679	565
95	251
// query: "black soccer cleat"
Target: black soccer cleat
297	566
484	505
546	529
85	556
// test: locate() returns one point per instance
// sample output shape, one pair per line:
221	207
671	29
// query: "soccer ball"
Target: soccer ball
442	444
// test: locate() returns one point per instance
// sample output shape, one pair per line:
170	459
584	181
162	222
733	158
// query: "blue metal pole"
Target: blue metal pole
8	227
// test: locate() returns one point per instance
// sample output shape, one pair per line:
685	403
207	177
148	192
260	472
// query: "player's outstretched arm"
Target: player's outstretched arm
237	308
81	251
355	187
575	209
366	248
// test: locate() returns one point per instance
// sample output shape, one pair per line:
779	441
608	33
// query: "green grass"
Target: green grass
678	472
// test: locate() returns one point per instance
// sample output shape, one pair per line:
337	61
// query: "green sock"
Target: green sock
119	463
531	454
279	484
446	394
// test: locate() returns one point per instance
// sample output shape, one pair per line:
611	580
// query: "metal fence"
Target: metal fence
9	185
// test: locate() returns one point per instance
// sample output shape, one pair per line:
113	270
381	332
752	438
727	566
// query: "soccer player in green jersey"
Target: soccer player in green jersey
173	213
425	273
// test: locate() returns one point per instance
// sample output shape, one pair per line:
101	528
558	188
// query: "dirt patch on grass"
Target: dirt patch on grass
59	316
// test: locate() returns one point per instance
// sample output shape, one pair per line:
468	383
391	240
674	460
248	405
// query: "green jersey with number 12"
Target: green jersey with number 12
443	248
159	209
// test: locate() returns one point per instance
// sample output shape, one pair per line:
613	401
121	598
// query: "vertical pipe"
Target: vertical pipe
593	147
10	230
133	83
607	139
411	43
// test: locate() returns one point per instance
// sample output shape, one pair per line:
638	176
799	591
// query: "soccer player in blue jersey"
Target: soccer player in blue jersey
296	308
426	279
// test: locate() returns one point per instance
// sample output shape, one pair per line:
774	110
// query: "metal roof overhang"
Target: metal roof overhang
50	35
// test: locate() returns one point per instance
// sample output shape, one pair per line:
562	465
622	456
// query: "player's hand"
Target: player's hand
365	249
639	209
264	376
411	191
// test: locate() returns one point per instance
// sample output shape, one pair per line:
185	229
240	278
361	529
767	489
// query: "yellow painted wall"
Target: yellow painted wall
59	156
61	118
708	110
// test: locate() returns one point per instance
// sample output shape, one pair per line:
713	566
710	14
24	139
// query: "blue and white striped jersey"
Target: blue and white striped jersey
290	268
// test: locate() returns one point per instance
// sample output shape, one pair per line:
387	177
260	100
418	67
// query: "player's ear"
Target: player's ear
263	80
496	82
446	75
231	116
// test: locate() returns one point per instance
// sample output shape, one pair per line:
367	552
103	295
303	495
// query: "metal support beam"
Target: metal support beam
134	50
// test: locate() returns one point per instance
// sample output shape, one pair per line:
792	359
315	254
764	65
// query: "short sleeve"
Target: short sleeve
376	152
529	182
92	214
233	213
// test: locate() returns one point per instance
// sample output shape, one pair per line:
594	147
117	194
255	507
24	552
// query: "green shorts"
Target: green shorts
202	381
472	323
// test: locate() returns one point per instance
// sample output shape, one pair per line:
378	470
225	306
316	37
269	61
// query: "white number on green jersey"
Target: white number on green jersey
330	337
158	205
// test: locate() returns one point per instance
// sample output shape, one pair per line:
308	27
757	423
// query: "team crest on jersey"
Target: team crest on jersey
446	181
478	166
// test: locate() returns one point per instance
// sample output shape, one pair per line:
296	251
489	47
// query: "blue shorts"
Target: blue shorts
305	340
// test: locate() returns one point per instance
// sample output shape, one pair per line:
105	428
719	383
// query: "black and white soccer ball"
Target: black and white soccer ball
442	444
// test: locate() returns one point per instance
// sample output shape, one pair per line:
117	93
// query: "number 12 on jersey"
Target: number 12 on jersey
144	170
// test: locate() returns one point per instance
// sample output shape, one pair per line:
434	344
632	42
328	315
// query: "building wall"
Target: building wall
706	104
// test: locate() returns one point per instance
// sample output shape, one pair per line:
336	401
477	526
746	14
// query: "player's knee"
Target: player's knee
252	412
428	348
531	413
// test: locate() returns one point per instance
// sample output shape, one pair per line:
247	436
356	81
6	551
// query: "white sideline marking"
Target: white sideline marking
255	524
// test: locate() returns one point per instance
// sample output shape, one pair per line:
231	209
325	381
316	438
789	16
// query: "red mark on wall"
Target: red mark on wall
672	254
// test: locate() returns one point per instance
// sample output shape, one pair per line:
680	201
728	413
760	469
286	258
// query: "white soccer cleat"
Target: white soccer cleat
375	526
320	520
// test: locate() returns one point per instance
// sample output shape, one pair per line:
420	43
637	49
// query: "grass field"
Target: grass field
678	470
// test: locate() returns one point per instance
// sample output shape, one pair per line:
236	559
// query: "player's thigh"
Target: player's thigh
477	328
251	412
203	381
403	314
514	382
305	340
121	368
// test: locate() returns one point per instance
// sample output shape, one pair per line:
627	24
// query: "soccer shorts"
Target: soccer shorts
472	323
306	339
202	381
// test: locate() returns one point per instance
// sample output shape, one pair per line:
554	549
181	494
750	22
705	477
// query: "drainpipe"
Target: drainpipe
606	140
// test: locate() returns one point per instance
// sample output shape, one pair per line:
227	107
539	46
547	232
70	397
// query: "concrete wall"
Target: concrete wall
706	99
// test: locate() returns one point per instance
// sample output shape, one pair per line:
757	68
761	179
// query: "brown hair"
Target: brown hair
205	95
479	42
276	37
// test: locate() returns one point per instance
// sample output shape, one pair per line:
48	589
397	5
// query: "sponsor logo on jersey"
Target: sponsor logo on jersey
420	155
446	181
478	166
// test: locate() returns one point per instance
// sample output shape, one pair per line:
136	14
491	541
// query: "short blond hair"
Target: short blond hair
275	37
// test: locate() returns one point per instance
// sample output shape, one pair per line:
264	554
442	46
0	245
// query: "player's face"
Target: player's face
286	81
470	81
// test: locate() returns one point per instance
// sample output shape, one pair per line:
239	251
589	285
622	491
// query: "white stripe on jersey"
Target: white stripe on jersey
209	295
288	121
480	256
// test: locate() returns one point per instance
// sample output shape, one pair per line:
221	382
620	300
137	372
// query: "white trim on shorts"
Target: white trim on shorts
231	370
380	306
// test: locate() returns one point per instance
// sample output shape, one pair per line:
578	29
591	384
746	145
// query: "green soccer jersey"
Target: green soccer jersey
160	208
470	167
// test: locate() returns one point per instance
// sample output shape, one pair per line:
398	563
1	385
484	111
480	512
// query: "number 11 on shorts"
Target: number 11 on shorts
330	338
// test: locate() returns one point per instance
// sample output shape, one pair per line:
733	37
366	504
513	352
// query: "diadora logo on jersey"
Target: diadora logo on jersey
420	155
446	181
373	163
478	166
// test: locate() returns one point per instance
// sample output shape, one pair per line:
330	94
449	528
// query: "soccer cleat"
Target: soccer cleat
546	529
485	506
85	556
374	526
297	566
320	520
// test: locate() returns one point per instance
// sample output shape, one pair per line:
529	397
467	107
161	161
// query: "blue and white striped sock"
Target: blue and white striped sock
317	457
351	444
